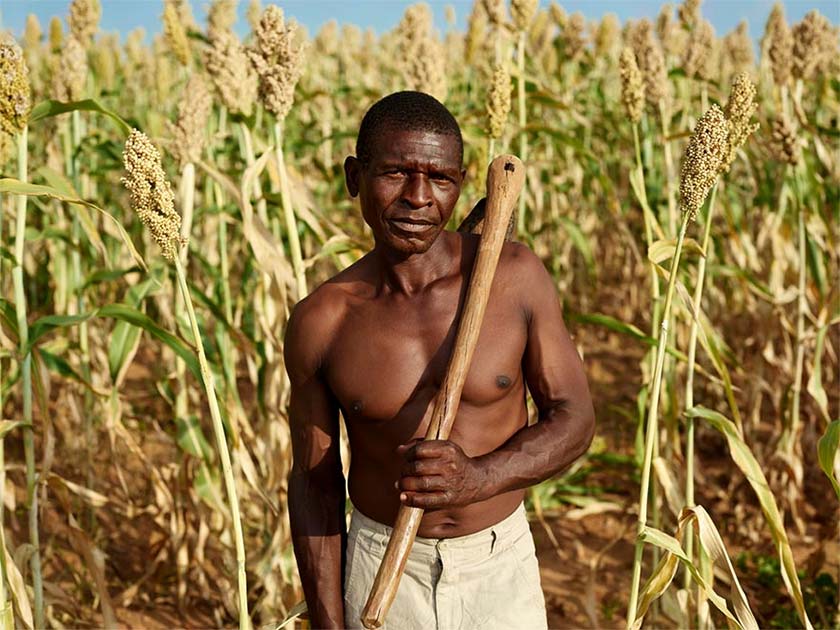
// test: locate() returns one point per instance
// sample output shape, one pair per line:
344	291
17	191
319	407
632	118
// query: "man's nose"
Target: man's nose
418	191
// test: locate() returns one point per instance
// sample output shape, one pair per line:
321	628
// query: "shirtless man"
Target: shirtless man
373	343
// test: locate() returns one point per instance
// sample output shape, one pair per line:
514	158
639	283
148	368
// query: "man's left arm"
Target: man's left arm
556	379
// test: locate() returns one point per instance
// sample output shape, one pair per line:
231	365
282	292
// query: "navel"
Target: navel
502	381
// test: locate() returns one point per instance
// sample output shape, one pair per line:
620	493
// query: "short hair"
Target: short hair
408	110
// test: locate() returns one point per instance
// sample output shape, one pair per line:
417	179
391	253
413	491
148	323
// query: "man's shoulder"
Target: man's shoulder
518	262
316	318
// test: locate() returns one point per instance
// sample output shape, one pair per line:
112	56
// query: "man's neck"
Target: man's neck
411	274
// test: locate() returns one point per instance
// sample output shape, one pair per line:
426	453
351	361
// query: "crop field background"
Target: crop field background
682	189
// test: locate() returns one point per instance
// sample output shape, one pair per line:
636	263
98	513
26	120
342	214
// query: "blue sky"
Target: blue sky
125	15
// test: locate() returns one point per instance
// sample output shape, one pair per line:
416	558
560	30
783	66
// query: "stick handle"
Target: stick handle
505	178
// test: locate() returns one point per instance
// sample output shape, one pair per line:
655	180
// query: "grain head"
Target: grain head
254	13
495	10
814	45
231	71
84	20
188	132
498	101
632	85
651	63
14	90
476	36
175	33
151	193
422	60
785	144
700	48
278	59
779	45
558	14
221	16
688	14
56	33
69	80
738	49
702	159
522	12
739	110
607	36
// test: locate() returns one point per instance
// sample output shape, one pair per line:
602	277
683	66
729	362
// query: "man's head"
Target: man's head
408	171
405	111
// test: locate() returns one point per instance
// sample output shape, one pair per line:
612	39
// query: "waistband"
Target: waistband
502	534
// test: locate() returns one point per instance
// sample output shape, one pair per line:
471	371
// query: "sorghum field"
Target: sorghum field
163	206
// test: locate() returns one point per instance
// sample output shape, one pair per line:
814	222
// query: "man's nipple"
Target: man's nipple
502	381
356	406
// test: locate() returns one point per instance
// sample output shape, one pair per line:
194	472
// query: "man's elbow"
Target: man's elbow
586	430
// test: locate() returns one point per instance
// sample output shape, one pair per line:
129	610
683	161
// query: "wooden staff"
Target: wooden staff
505	178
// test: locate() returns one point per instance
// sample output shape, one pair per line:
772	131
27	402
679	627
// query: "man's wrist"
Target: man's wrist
488	482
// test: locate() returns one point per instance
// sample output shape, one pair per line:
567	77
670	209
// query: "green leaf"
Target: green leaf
191	438
60	182
45	325
17	187
126	336
133	316
663	249
815	386
580	242
827	453
48	108
748	464
61	367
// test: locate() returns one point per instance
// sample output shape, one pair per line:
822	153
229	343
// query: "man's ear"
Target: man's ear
352	172
463	176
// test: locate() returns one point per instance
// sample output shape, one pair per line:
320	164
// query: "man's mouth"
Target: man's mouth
410	225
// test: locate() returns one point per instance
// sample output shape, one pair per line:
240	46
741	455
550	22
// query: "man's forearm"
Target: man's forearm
316	514
536	453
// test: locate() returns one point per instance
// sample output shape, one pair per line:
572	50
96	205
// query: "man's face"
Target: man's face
408	188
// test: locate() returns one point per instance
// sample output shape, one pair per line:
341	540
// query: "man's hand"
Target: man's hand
438	474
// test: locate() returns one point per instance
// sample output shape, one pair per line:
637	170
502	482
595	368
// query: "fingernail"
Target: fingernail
403	496
397	485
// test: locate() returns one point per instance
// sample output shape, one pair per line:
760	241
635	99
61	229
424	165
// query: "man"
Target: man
373	343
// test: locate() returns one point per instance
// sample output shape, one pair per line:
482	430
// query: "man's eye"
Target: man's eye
441	178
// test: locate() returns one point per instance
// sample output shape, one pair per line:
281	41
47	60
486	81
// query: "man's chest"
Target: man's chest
389	360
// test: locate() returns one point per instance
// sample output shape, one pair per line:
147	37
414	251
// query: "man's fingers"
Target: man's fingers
425	449
426	483
425	500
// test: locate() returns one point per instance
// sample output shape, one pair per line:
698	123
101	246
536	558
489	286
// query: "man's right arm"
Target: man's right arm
316	482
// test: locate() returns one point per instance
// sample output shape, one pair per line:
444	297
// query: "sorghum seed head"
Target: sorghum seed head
221	16
84	19
69	81
558	14
688	14
189	130
231	71
607	36
703	158
785	144
498	101
14	88
814	43
632	86
779	45
574	40
522	12
56	33
495	10
175	33
651	62
738	47
278	60
738	111
151	193
422	58
476	33
699	50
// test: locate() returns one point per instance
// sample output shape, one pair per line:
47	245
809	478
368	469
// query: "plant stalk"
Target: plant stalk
652	423
689	379
289	214
523	121
224	452
26	378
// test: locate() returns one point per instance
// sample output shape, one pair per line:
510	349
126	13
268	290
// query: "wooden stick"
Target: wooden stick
505	178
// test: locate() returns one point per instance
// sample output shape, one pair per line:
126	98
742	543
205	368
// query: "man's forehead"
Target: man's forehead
409	144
